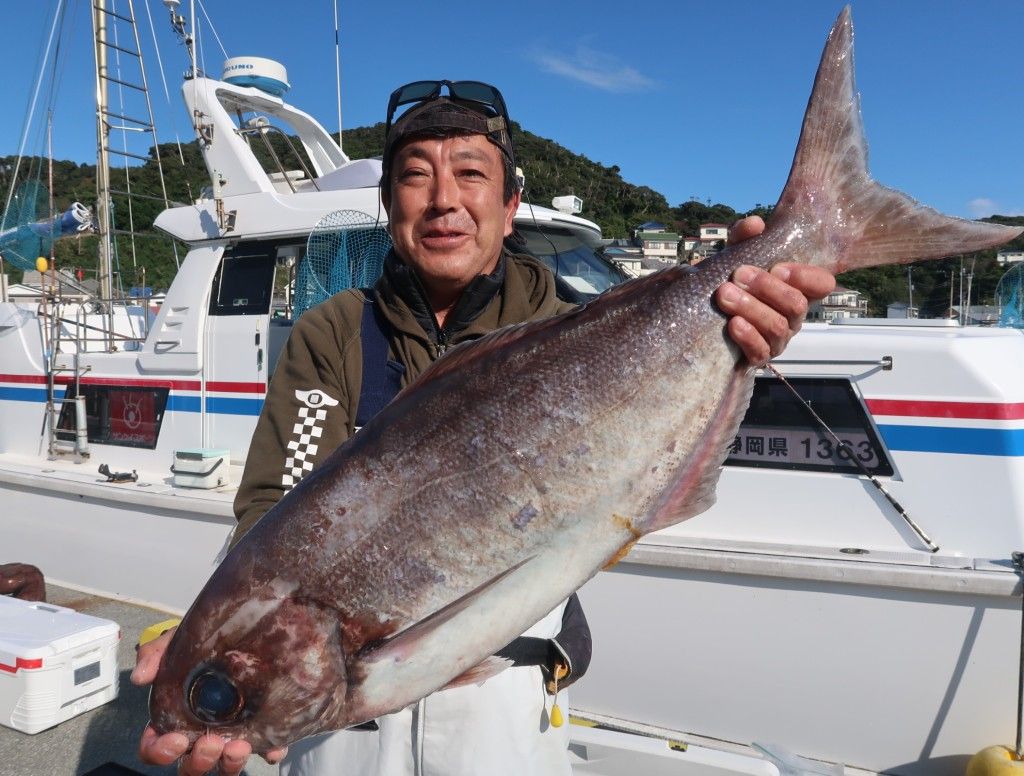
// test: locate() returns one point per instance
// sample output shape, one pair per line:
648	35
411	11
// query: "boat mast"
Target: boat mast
106	278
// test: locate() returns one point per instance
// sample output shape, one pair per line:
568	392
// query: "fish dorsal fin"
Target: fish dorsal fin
863	223
404	642
502	339
459	356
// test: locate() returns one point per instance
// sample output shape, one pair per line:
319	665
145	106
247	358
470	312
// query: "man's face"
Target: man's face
446	209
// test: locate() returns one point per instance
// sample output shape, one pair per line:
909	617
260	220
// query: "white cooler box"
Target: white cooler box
54	663
202	467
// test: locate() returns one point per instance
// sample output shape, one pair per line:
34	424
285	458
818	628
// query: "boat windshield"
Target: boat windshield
571	253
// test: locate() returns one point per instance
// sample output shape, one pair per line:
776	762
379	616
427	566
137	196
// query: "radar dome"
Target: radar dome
264	74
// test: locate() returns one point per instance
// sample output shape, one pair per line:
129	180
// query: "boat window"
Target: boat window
244	282
570	253
116	415
779	432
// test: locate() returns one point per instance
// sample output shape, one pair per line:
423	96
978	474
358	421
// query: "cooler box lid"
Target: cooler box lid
200	453
34	629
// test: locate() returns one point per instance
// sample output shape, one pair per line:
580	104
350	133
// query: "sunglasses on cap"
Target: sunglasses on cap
472	94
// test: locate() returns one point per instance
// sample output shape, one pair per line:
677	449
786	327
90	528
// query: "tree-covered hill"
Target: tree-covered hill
551	170
934	282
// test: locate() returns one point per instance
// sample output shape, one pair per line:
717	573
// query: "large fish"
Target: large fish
514	469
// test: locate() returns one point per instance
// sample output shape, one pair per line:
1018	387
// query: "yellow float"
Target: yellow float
995	761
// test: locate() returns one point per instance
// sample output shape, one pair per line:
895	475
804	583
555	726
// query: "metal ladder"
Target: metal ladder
107	24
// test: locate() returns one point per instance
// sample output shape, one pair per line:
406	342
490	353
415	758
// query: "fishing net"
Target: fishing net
346	249
26	233
1010	299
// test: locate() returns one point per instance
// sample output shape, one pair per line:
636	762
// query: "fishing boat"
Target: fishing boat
868	618
852	601
75	398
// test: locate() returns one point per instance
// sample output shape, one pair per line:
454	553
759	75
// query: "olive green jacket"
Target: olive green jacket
313	396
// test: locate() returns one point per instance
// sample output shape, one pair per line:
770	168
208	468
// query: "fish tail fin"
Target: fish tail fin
855	221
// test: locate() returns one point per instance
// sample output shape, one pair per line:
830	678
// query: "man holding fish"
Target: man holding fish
450	190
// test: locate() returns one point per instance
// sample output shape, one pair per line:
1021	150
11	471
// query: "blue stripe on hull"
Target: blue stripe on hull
966	441
918	439
24	394
228	406
183	403
218	405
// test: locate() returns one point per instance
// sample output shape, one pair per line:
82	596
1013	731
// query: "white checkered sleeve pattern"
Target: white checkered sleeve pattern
301	447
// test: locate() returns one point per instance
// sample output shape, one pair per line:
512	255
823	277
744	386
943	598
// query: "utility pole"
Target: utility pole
910	287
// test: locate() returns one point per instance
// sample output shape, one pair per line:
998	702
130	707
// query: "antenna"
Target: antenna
337	68
181	30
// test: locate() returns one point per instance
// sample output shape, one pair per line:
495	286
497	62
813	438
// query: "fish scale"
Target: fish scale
516	467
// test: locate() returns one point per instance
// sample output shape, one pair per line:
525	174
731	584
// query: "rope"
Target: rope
31	111
851	454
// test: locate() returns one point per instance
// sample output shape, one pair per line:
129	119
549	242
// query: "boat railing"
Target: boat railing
261	128
80	325
71	329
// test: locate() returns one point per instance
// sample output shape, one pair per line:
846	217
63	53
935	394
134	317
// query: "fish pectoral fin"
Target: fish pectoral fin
693	490
481	672
403	643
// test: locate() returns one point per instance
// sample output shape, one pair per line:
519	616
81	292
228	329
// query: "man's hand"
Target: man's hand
766	309
209	752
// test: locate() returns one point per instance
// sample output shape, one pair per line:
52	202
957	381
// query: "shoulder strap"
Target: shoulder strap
382	378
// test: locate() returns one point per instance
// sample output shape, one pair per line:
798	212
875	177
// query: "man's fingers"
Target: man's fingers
769	296
755	348
161	750
761	330
208	752
204	757
768	308
813	282
745	228
275	756
235	755
147	660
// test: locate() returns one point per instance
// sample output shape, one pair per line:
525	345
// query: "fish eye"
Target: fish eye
214	698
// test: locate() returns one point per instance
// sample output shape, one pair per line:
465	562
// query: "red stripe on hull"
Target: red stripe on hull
220	386
947	409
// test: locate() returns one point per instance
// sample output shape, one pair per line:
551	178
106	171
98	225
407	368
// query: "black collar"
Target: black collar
477	295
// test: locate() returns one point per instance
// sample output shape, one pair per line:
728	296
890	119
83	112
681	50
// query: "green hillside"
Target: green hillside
934	280
551	170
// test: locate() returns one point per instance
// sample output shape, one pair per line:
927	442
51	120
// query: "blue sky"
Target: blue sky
694	99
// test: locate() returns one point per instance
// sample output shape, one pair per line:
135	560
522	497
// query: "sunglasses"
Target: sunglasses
476	93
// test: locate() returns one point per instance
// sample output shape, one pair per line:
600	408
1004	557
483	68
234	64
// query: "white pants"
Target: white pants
498	728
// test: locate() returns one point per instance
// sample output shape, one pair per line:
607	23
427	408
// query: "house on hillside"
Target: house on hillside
1010	256
650	226
626	256
841	303
710	233
711	240
663	245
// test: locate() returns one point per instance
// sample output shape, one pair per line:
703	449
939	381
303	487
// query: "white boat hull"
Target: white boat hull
149	545
893	677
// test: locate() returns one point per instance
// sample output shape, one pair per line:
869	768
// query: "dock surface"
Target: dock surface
108	734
